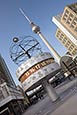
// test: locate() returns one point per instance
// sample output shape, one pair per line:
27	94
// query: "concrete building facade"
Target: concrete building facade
11	99
5	75
67	28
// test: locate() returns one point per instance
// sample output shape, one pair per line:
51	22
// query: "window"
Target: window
64	18
71	47
62	36
57	35
70	18
64	41
76	29
71	15
68	22
58	32
75	20
72	26
66	14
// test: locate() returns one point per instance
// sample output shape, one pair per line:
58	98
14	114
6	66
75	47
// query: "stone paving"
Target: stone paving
65	106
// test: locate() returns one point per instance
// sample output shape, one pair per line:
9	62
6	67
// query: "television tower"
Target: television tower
36	30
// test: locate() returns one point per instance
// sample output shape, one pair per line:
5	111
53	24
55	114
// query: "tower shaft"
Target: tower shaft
54	53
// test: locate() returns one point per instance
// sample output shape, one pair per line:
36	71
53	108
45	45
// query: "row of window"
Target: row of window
35	68
73	7
70	20
67	43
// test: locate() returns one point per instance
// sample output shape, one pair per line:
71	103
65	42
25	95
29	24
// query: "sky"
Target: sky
12	24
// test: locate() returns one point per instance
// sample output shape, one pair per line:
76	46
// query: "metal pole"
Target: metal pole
50	91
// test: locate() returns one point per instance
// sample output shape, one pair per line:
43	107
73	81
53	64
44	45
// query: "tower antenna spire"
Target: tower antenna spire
27	18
